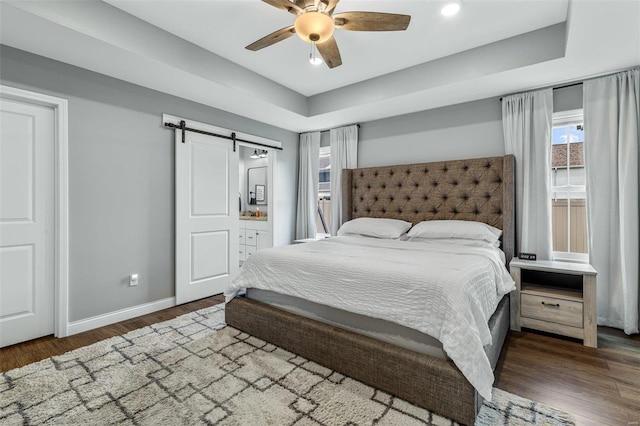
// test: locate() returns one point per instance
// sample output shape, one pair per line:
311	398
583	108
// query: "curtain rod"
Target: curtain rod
554	88
576	82
327	130
567	85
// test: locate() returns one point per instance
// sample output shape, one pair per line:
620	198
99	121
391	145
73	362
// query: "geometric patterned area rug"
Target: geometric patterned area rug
194	370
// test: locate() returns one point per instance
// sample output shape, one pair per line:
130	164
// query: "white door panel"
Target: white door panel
26	221
16	167
209	178
16	274
206	224
210	257
263	240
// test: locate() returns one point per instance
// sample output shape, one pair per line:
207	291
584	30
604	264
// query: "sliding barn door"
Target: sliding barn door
206	215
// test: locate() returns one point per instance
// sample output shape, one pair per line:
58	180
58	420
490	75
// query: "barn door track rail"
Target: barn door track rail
184	128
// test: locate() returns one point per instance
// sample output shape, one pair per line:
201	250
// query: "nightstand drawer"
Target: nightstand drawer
251	237
551	309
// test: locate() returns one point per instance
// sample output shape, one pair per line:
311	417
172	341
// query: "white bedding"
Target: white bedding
444	290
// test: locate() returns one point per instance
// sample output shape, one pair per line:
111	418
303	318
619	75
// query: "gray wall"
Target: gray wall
468	130
472	129
121	179
567	98
121	169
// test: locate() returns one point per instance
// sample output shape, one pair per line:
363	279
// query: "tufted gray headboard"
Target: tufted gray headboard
479	189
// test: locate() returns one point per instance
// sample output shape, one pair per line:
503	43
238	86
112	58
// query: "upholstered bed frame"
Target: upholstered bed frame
476	189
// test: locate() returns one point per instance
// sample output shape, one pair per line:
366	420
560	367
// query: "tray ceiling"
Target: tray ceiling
195	49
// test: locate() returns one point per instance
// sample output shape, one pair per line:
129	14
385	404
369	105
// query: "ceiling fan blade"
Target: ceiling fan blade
371	21
331	6
285	5
330	53
273	38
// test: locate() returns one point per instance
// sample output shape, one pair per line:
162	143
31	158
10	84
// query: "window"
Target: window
568	188
323	221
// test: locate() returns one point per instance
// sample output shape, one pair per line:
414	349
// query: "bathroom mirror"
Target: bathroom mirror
257	191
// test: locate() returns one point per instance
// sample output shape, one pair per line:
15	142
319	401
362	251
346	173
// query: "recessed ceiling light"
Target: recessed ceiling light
450	8
314	60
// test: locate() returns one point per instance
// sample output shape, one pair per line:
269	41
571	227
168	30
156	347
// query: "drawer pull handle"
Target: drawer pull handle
555	305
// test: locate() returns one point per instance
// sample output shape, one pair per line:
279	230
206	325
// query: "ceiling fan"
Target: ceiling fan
315	22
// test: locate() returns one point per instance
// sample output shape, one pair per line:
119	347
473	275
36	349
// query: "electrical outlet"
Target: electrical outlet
133	280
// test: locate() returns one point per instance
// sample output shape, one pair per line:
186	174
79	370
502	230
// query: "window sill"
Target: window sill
570	257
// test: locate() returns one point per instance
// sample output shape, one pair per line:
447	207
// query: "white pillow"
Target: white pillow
438	229
457	241
375	227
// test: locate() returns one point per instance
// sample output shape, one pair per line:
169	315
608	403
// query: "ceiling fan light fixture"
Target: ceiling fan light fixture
451	8
314	27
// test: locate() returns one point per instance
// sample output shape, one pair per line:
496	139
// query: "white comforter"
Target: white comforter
444	290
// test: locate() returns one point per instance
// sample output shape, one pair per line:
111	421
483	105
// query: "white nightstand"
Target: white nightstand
556	297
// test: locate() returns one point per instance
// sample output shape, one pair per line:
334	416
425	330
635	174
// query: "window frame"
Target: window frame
324	152
562	119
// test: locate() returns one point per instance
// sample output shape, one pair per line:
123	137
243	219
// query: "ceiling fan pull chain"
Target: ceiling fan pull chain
313	58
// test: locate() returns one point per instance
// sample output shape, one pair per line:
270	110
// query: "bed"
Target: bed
411	367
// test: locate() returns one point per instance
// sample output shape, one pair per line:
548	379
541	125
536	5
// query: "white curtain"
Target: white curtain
527	120
344	155
611	121
308	185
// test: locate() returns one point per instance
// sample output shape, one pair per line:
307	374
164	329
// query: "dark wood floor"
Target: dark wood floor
598	386
35	350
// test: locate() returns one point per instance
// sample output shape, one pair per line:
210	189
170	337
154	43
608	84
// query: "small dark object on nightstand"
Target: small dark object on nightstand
527	256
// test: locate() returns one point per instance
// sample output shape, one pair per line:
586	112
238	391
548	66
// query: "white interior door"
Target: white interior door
206	215
27	230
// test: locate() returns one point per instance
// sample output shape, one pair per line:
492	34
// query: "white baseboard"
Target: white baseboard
121	315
